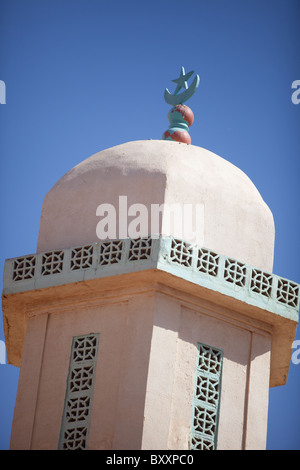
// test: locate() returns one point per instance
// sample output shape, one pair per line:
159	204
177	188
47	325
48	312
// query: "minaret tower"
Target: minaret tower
149	317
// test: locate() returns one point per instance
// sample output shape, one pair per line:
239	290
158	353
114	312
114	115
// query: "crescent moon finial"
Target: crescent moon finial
180	116
181	81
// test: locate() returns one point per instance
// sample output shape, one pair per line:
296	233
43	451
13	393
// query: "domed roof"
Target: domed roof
233	218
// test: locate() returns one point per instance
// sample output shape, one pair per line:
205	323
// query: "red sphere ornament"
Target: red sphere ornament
186	113
181	117
178	136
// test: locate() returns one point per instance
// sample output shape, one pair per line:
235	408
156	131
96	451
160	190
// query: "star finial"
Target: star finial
179	98
182	80
181	117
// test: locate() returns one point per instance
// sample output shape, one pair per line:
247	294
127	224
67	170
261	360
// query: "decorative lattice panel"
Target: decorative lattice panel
206	398
201	265
110	252
261	282
208	262
181	253
288	293
235	272
24	268
140	249
201	444
82	257
79	393
52	263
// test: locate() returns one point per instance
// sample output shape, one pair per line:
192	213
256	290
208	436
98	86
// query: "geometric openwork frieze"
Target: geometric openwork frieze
24	268
82	257
261	282
206	402
140	249
235	272
179	257
110	252
181	253
288	293
52	263
79	393
208	262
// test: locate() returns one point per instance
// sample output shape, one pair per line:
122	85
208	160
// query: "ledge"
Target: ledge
34	283
200	266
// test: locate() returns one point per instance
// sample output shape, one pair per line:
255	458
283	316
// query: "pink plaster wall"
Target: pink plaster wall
246	367
145	372
119	393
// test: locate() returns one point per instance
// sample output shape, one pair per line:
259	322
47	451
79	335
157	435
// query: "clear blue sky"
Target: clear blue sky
85	75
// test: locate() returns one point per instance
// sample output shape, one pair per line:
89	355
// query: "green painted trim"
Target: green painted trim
198	265
206	438
77	412
181	81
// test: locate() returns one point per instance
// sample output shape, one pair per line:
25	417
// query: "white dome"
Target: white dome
234	220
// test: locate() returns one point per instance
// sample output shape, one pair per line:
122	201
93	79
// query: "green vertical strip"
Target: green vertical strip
79	394
206	402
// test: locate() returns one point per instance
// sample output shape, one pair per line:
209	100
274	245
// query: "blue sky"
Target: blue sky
85	75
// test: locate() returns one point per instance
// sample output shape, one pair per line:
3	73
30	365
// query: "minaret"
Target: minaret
149	317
